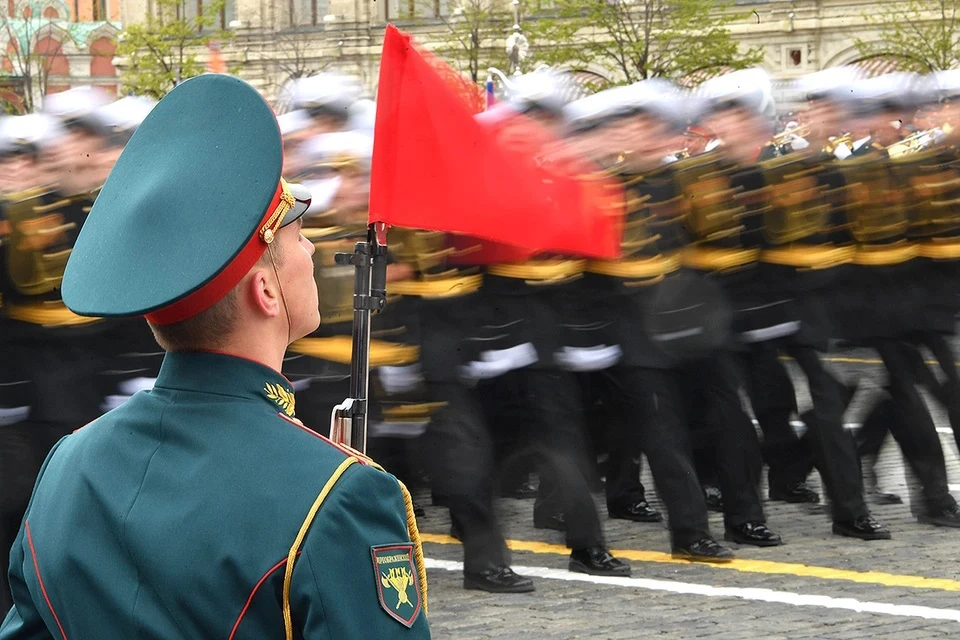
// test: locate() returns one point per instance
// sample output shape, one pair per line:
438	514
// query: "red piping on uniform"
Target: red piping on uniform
327	440
36	568
256	588
210	293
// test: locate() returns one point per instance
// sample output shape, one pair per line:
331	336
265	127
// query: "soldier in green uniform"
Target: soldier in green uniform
203	508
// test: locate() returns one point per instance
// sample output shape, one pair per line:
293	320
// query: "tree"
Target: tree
163	50
34	51
296	46
639	39
921	34
475	31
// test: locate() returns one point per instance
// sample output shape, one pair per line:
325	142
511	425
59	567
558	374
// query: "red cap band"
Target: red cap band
214	290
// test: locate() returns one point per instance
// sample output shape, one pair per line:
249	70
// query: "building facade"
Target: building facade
277	40
48	46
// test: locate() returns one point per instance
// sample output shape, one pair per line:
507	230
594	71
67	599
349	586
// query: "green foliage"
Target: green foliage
163	50
638	39
475	32
922	34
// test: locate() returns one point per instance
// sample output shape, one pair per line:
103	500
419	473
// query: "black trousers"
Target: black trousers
834	450
649	402
905	415
546	407
459	455
947	393
20	462
712	387
774	401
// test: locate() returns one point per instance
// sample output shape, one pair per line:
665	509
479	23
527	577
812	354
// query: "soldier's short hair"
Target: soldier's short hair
210	329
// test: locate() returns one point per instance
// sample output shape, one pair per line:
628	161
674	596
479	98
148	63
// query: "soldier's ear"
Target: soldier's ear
263	291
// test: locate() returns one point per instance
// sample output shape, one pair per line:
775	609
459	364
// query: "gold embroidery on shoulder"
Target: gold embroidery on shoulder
284	399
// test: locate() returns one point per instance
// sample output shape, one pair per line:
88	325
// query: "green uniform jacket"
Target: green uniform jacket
172	517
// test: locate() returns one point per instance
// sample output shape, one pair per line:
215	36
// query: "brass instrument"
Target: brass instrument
831	145
784	136
912	144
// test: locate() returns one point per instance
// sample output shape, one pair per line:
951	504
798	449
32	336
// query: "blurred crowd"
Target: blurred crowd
748	239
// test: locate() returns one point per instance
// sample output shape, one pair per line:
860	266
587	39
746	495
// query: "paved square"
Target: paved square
815	586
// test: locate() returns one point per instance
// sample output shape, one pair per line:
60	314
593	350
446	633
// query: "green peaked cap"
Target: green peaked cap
181	217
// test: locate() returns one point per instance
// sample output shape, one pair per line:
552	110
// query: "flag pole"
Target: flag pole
369	259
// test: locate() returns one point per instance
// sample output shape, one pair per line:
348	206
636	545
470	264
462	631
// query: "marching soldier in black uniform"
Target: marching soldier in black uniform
19	463
894	203
439	295
730	245
57	359
665	320
535	329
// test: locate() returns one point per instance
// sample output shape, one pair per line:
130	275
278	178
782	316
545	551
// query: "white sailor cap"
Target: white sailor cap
293	121
835	83
362	115
895	91
748	88
122	117
35	130
944	84
662	99
332	93
75	104
595	109
339	147
544	89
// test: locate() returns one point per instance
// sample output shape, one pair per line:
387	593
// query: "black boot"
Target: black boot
639	511
704	550
753	533
500	579
597	561
864	527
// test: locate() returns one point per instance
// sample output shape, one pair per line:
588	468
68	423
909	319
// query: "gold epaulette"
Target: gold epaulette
945	249
543	271
878	255
635	268
438	288
809	256
47	314
340	349
704	258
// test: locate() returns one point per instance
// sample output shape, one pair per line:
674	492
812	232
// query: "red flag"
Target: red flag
436	167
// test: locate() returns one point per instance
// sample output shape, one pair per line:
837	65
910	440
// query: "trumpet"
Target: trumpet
784	136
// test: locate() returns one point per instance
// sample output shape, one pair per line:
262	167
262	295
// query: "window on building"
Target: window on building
100	10
795	57
51	14
413	9
102	51
302	13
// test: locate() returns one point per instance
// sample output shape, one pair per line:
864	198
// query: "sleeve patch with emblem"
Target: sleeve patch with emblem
398	585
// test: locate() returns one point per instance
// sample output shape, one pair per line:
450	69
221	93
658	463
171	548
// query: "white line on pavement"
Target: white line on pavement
758	595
